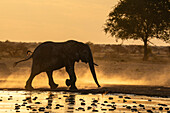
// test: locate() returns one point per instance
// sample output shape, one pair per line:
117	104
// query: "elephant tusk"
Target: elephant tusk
95	64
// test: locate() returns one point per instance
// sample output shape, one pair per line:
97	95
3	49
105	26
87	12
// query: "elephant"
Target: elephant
50	56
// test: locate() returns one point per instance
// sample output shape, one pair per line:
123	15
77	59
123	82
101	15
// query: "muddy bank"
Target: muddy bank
160	91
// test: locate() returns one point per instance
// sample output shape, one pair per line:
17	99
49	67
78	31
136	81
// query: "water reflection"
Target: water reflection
70	102
50	101
61	102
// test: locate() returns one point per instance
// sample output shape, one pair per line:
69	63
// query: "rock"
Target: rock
24	100
134	106
160	108
112	102
149	100
28	107
51	95
94	110
134	110
49	104
70	107
104	109
93	104
57	104
71	103
162	104
128	107
65	96
149	111
9	98
89	107
61	105
124	101
28	98
80	108
34	110
105	102
153	108
95	101
140	105
120	96
166	108
57	107
108	105
17	107
48	107
82	100
35	98
37	103
110	98
41	109
83	103
127	97
111	109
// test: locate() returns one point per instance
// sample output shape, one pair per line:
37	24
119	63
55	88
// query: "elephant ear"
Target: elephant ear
77	57
71	51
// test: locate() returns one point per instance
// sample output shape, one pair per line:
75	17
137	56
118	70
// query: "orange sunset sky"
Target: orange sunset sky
57	20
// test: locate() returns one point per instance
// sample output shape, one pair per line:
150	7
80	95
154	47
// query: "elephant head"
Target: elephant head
80	51
86	56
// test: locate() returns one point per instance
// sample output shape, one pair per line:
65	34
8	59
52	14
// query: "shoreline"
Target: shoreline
160	91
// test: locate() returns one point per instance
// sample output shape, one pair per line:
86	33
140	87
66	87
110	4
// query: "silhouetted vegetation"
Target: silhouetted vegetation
14	49
141	19
134	53
100	51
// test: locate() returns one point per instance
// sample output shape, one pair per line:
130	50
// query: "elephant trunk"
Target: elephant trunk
91	65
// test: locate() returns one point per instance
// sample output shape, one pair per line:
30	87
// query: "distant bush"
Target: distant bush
11	49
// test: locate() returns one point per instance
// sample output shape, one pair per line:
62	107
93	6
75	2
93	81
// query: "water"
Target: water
65	102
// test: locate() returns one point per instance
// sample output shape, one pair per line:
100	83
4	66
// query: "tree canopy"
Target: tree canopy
140	19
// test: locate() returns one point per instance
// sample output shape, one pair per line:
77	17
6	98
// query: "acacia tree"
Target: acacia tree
139	19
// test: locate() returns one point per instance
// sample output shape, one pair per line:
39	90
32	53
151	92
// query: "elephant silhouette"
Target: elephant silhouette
50	56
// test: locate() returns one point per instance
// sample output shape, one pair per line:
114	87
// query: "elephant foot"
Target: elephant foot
29	87
54	86
68	82
73	88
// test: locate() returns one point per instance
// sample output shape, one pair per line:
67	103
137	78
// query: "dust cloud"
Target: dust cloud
108	73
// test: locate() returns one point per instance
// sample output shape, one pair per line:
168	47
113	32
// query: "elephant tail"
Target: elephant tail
23	59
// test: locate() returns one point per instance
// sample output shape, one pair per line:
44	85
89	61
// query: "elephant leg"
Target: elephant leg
68	82
72	81
51	81
28	85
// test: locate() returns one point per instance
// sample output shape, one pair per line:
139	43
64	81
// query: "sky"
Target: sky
57	20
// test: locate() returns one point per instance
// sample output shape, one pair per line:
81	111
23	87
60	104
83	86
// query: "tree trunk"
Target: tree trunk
145	57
